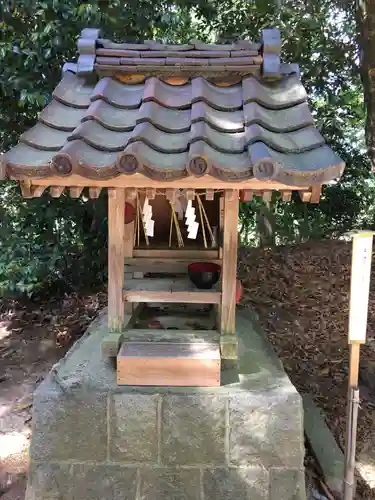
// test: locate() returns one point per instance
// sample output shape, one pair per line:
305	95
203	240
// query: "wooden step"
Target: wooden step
169	364
173	336
169	290
167	265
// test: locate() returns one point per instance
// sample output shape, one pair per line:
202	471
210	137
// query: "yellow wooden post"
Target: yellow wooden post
359	295
116	256
228	340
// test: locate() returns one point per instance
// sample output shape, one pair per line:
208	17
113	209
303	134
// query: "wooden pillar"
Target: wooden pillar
116	250
228	341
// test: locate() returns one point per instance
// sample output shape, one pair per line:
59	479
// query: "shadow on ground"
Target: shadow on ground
32	338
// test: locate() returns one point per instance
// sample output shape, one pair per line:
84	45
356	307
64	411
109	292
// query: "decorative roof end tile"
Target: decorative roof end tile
271	48
87	50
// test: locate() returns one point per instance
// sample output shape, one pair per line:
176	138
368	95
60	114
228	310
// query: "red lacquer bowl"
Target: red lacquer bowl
204	275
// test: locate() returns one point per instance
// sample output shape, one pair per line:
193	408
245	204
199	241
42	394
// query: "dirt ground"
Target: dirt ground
33	337
301	294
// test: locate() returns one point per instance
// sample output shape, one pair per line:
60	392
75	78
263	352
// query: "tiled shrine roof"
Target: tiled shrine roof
231	111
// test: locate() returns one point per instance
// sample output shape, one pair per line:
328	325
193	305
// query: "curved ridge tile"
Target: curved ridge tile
166	119
283	94
45	138
60	116
229	167
95	135
288	142
111	117
169	96
221	98
160	141
224	142
317	166
73	91
82	153
156	160
118	94
27	156
223	121
280	120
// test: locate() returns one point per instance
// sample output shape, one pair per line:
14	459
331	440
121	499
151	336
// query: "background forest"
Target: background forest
54	244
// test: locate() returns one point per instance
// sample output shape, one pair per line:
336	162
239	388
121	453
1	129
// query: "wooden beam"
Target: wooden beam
286	195
26	189
75	192
246	195
151	193
140	181
183	253
316	191
111	343
94	192
210	194
229	269
131	194
37	191
56	191
160	265
170	194
190	194
199	297
116	247
171	335
305	196
267	196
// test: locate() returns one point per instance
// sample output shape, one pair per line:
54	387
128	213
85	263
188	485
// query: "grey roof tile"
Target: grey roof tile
60	116
43	137
164	142
317	166
73	91
84	154
167	95
28	156
221	141
95	135
283	120
220	120
298	141
110	116
155	159
221	98
283	94
118	94
169	120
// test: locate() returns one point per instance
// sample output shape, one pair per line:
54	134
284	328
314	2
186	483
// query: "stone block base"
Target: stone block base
93	440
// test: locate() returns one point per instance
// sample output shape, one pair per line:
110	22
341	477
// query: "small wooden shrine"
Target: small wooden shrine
178	135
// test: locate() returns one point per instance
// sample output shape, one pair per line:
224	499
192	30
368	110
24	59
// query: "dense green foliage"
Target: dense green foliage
49	240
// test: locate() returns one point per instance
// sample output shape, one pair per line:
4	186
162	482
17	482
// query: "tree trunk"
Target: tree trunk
366	41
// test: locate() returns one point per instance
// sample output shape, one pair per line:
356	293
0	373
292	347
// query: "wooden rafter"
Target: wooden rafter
94	192
56	191
75	192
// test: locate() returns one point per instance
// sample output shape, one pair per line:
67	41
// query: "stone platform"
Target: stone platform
94	440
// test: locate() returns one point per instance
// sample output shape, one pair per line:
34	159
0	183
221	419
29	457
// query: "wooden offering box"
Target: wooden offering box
169	364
